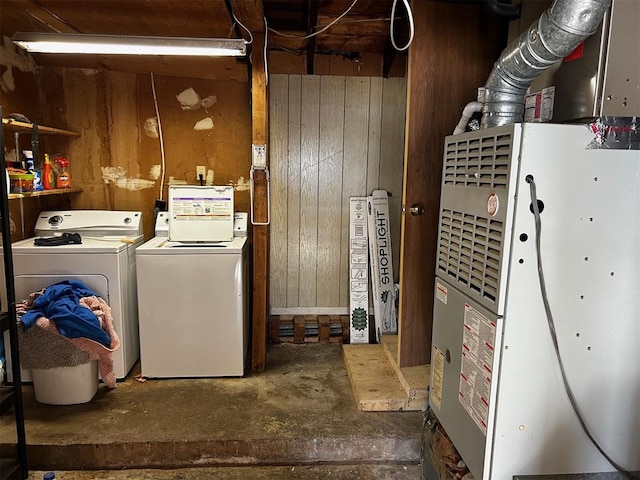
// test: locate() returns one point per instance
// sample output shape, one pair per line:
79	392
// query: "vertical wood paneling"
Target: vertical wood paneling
293	193
391	157
375	125
278	115
332	109
309	157
354	170
343	134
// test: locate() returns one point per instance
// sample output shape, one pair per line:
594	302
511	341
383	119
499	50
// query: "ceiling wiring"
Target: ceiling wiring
250	41
411	25
323	29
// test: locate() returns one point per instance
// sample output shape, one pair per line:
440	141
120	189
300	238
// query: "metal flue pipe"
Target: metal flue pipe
557	32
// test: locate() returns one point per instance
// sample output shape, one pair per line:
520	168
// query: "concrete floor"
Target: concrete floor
308	472
299	416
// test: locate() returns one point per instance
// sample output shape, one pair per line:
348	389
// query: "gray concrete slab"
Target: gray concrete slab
299	411
312	472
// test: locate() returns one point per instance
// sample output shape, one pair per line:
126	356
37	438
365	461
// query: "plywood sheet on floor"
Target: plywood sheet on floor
374	383
414	380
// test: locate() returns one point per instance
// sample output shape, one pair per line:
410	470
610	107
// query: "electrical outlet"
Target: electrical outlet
201	172
259	156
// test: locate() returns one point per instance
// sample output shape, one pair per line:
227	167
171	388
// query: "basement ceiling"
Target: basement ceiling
363	30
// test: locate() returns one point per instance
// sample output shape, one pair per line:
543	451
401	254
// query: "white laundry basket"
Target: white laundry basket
66	385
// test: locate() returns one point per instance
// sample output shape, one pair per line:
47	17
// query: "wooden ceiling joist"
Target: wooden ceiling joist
250	13
312	16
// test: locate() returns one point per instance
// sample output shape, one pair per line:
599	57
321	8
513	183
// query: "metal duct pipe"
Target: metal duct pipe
552	37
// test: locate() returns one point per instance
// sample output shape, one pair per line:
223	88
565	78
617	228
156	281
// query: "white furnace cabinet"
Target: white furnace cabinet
496	385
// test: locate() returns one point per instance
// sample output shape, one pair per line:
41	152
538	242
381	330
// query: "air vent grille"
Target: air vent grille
469	253
478	162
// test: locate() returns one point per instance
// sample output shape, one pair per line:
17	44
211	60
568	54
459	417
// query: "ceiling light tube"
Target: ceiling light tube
129	45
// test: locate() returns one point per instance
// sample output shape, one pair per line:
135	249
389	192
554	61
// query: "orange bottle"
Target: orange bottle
47	174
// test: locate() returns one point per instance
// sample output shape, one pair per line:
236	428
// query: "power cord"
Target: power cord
411	25
552	330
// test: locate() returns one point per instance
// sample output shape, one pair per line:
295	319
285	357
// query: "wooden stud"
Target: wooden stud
259	114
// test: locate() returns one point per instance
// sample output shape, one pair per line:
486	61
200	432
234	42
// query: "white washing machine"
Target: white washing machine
192	304
105	261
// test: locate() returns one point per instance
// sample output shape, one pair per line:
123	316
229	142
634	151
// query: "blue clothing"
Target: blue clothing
60	303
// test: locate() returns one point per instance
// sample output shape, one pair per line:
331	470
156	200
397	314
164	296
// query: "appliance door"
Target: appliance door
191	312
462	365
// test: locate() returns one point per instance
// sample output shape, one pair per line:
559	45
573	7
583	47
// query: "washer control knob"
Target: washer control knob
127	220
55	220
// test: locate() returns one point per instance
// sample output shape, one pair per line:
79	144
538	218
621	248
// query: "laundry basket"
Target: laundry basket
66	385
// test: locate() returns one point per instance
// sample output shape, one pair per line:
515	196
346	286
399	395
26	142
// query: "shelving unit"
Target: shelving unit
13	465
43	193
24	127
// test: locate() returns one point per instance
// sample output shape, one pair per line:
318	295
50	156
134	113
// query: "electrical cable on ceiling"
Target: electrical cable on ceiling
552	330
155	103
411	25
250	41
323	29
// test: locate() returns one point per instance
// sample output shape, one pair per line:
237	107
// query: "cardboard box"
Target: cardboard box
358	271
382	283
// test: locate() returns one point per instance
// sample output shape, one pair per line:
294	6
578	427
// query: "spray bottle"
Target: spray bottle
64	177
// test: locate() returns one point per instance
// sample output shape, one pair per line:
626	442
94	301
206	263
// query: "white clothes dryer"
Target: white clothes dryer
192	302
105	261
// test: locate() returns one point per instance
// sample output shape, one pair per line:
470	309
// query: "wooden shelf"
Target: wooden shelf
43	193
25	127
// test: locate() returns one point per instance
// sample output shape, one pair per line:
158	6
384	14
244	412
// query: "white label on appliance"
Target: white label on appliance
435	389
538	107
441	293
202	208
478	340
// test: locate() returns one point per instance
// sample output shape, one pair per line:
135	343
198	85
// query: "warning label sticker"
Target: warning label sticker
435	389
478	340
441	292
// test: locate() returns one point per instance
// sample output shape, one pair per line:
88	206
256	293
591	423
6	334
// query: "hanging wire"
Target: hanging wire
155	103
250	41
411	25
266	60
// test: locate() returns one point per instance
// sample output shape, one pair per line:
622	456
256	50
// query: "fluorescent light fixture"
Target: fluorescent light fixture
129	45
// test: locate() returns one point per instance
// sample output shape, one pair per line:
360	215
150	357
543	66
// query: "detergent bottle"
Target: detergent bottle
47	174
64	177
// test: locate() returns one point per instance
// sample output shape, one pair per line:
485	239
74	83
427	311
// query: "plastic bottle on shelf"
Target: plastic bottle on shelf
49	476
47	174
64	177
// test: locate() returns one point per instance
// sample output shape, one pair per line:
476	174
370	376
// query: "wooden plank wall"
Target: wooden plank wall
331	137
117	162
36	94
